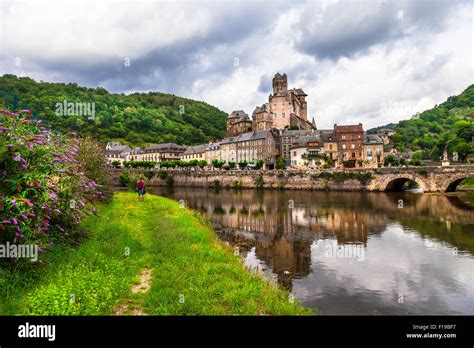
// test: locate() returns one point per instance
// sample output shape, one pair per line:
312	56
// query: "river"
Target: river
351	253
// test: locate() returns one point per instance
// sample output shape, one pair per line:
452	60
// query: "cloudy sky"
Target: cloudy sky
359	61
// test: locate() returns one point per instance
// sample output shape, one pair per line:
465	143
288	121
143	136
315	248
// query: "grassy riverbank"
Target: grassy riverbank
151	257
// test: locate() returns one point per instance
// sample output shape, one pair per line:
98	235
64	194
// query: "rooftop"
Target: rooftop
164	146
348	128
196	149
372	139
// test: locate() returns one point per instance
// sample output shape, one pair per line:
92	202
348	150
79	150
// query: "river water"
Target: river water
349	252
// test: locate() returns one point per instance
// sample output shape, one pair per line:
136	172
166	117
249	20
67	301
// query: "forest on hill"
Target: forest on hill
449	125
136	119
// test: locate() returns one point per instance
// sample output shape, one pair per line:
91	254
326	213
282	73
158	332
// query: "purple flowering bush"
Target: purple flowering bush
44	192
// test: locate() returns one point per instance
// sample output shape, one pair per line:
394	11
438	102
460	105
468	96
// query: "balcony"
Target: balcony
314	155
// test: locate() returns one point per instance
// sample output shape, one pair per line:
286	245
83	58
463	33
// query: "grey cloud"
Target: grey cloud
175	67
350	28
265	84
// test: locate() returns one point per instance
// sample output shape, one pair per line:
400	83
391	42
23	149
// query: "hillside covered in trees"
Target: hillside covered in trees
136	119
449	125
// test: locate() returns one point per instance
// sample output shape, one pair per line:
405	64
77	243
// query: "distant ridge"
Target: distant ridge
136	119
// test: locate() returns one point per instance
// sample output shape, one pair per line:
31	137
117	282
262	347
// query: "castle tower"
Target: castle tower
280	83
261	118
238	122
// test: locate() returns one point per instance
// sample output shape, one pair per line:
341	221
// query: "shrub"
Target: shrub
44	188
416	162
216	163
237	183
170	181
149	174
142	164
423	172
124	179
163	174
259	182
259	164
243	164
280	163
91	155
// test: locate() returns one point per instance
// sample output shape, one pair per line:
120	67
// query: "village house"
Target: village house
213	152
288	139
330	146
350	141
250	147
228	149
159	153
386	134
197	152
112	144
373	151
308	152
115	151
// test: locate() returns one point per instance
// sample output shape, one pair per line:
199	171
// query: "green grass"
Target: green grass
192	273
467	184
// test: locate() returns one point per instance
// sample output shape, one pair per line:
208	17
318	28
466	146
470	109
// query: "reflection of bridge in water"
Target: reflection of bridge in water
282	225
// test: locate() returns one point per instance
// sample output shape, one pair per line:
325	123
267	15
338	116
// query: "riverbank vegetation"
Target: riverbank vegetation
189	271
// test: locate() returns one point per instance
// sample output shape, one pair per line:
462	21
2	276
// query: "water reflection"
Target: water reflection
417	248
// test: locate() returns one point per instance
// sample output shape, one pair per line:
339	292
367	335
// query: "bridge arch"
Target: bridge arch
395	181
454	182
396	184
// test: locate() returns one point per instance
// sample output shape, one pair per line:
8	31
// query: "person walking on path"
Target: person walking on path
141	189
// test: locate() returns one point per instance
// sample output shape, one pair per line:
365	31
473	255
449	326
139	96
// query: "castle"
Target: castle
285	109
278	130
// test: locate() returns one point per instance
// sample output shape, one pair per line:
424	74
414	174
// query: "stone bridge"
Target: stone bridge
429	179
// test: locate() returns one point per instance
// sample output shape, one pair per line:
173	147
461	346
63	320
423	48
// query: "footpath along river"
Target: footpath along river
350	252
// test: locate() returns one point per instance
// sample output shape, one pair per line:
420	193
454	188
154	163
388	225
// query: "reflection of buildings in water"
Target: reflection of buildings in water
288	259
282	236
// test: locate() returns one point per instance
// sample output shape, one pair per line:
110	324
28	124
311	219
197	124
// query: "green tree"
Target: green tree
280	163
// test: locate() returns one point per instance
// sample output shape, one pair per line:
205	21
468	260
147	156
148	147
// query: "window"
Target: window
283	115
343	137
353	155
352	146
294	153
275	114
344	146
330	146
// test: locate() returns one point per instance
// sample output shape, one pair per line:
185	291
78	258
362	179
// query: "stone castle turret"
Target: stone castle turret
280	83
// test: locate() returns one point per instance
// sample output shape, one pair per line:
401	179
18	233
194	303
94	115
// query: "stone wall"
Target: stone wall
430	179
